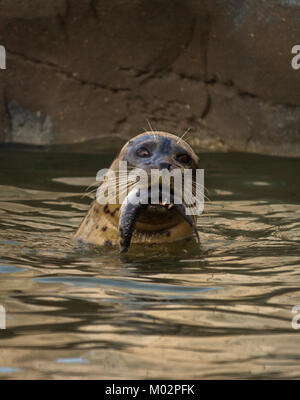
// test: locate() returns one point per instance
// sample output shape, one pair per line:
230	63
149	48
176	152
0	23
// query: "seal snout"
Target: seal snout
165	165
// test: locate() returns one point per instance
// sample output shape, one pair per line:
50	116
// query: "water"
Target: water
221	311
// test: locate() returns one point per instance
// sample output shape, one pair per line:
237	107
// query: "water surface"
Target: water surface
223	310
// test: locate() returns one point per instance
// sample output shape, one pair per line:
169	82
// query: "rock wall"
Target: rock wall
93	70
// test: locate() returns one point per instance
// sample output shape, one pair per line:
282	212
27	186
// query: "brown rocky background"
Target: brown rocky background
96	70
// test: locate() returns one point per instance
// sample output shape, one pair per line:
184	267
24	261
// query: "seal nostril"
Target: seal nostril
165	165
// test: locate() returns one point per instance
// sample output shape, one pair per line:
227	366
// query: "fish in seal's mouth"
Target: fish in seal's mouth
138	201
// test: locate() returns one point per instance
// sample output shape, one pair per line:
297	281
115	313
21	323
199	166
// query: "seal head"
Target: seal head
135	219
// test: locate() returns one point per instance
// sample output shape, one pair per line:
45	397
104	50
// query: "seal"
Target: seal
125	221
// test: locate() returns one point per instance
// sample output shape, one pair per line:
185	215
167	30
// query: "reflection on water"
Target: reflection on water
220	311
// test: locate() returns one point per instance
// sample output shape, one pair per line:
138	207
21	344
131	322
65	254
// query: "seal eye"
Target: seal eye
143	152
183	158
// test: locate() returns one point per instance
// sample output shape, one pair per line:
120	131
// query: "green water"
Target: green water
220	311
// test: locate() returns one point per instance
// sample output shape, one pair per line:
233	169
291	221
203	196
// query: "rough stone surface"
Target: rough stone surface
251	124
28	127
91	70
250	45
32	9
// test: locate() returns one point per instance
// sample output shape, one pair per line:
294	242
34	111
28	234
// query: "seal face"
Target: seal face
160	151
127	221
